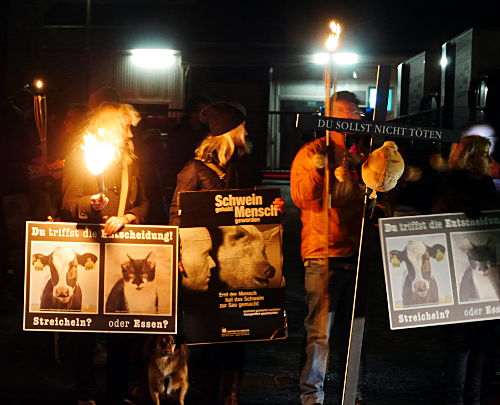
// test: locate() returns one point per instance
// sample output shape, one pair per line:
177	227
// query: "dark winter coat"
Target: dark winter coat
196	176
461	192
79	185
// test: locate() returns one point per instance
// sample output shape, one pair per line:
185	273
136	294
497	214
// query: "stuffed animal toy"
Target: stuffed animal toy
383	168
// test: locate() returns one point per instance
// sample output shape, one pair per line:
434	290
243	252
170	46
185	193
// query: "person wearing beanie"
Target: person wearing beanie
215	160
214	167
222	116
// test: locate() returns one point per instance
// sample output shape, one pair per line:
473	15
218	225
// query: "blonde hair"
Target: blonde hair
113	121
221	148
462	151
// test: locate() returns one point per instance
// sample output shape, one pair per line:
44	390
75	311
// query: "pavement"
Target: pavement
403	366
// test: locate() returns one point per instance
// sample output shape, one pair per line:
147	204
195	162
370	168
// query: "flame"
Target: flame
39	84
333	38
98	154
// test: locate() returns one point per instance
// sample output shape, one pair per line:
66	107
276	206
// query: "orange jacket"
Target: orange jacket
495	173
344	221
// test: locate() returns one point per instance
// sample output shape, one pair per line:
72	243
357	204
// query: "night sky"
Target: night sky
369	26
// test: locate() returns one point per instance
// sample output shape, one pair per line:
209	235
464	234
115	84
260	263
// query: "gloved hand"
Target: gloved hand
340	173
319	161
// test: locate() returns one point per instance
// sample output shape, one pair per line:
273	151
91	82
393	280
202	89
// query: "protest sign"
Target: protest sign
231	255
78	278
441	269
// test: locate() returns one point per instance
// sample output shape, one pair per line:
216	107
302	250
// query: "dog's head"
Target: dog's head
165	345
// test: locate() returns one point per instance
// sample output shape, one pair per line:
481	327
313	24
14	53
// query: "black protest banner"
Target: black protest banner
418	133
459	280
78	278
233	288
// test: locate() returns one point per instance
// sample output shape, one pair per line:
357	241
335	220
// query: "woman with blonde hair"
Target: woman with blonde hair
214	168
82	201
215	160
468	186
123	202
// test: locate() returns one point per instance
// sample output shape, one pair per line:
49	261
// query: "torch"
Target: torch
330	81
330	74
40	113
98	155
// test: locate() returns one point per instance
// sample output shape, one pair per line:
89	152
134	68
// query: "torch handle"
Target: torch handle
100	184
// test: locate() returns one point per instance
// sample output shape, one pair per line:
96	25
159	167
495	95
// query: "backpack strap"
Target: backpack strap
214	167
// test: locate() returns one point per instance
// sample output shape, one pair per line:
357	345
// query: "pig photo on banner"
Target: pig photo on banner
232	257
231	266
475	255
64	277
419	271
137	279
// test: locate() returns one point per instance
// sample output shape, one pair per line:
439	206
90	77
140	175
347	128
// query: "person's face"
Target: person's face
197	261
481	162
346	109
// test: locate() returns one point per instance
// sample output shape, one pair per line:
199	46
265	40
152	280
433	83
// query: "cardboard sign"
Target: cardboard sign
80	279
231	253
441	269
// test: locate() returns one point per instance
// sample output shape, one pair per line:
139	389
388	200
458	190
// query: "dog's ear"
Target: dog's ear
182	353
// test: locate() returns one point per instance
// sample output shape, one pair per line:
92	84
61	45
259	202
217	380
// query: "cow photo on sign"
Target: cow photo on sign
64	277
475	255
133	283
420	274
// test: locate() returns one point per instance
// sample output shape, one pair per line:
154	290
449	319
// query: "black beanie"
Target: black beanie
222	117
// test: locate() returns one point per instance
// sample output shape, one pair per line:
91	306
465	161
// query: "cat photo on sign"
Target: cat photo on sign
138	279
476	256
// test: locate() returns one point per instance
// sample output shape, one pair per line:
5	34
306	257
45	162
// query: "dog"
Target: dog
166	371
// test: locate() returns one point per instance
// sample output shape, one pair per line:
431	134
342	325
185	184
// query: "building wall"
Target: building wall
301	90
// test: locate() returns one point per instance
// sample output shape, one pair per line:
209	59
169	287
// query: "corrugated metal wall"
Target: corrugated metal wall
141	85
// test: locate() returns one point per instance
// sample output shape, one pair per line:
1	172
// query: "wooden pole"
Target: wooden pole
40	113
358	317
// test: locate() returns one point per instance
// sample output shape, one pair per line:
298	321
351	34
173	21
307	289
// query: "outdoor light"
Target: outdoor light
321	58
341	58
153	58
345	58
444	61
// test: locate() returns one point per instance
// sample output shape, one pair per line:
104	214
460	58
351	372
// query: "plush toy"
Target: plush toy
383	168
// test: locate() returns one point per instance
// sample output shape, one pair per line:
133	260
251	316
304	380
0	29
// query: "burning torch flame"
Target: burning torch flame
98	155
333	38
39	84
